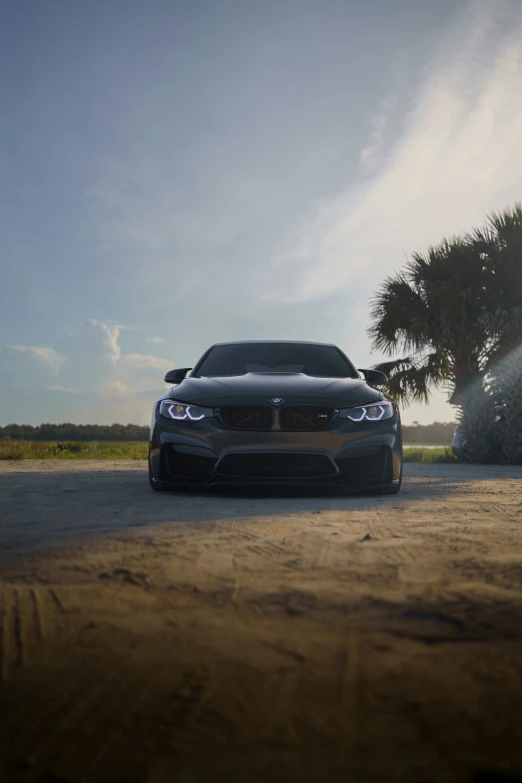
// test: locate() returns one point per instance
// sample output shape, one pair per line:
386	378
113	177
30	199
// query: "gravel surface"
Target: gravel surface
248	636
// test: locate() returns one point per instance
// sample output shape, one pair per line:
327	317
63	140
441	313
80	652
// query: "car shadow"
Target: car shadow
40	509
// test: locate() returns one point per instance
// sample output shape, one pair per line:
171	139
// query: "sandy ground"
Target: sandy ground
259	636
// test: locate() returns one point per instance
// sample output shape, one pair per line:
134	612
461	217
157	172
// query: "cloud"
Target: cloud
25	366
110	338
46	356
135	374
369	156
114	386
457	157
92	352
156	340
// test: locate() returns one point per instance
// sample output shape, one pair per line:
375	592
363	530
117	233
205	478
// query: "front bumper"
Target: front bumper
205	454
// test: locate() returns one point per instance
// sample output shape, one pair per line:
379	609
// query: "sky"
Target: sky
177	173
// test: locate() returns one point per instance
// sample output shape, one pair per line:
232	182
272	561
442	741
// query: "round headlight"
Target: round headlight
378	412
181	412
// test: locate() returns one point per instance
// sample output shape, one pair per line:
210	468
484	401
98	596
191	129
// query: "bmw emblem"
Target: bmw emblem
276	400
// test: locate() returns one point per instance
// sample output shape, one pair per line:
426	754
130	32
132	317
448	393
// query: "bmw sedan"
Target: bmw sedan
275	413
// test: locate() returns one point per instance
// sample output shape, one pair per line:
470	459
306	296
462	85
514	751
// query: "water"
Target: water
426	445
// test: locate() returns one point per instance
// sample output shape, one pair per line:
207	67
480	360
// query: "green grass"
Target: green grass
444	454
30	449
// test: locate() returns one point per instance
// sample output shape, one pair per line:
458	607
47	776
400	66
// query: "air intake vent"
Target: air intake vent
366	467
189	466
247	417
276	465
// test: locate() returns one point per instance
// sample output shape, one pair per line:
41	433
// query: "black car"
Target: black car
275	413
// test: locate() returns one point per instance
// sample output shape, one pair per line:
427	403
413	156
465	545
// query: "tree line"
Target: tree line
74	432
454	316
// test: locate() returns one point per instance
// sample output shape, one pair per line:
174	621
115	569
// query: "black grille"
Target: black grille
305	417
189	466
276	465
370	466
247	417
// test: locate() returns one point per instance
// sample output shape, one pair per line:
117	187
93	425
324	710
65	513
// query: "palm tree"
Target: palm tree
457	314
434	312
500	240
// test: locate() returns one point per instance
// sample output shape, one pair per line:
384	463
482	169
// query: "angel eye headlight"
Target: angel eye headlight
181	412
377	412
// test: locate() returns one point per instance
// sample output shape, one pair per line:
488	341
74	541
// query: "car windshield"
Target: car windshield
324	361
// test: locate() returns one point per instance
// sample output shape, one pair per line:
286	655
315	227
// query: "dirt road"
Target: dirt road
259	636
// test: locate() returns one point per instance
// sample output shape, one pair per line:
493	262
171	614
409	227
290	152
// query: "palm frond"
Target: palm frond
410	378
399	317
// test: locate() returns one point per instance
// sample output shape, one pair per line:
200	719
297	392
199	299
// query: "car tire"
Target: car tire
155	485
373	490
389	489
393	489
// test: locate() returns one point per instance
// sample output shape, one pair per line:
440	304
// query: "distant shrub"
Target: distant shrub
429	455
69	447
27	449
75	432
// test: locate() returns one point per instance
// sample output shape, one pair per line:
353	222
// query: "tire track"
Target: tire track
23	639
19	631
378	528
12	636
316	557
22	628
57	601
38	615
395	549
391	554
399	555
256	542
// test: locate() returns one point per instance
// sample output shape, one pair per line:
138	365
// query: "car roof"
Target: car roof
291	342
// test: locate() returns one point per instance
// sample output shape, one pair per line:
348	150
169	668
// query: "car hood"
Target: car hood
260	388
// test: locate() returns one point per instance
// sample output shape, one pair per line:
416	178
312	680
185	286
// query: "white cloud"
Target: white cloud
135	374
110	335
90	362
47	356
26	367
369	156
457	158
64	389
92	352
155	340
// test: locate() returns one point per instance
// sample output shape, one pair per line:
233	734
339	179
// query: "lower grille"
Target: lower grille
305	417
189	466
276	465
247	417
367	467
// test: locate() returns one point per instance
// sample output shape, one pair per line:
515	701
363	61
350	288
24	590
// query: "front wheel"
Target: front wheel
156	485
394	489
390	489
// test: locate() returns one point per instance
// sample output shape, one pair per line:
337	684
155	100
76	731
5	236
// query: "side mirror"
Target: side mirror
176	376
375	377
